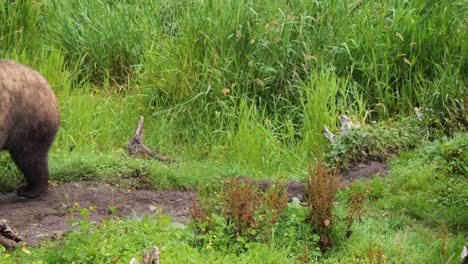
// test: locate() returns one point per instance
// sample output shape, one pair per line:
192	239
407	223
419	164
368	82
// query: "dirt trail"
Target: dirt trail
365	170
49	216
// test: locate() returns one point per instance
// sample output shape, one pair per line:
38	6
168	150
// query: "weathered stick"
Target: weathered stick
8	243
328	135
8	238
136	145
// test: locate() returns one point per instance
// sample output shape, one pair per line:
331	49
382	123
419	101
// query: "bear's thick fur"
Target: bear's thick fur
29	121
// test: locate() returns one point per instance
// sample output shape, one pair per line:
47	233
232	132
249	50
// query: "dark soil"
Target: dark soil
48	217
365	170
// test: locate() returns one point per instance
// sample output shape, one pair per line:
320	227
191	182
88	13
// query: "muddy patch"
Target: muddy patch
365	170
51	215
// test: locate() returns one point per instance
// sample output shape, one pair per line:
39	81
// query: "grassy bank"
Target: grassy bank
208	74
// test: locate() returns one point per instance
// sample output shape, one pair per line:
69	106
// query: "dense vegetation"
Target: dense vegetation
408	218
244	87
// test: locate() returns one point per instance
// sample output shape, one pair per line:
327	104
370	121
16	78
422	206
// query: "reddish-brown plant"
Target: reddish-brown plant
443	246
305	257
320	196
379	254
276	198
201	217
241	202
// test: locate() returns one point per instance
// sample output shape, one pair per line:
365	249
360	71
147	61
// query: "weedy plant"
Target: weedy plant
240	214
354	208
376	256
320	197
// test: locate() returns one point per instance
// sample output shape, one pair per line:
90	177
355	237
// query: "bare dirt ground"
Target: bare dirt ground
365	170
48	217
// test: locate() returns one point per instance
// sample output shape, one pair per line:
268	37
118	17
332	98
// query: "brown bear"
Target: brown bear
29	121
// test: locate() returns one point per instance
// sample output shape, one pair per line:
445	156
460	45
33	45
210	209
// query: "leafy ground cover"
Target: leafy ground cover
402	218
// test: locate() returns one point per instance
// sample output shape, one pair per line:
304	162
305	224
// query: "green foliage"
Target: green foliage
20	27
117	241
377	188
298	64
377	142
253	144
267	51
236	215
401	241
105	39
118	168
391	220
94	244
322	98
453	154
10	177
427	184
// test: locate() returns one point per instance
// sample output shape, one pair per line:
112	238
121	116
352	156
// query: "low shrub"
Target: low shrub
377	142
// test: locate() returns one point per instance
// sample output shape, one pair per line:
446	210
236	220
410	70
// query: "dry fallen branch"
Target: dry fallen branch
8	237
328	135
137	147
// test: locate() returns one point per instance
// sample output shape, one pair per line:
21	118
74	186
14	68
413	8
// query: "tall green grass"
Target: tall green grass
324	97
290	67
107	39
20	26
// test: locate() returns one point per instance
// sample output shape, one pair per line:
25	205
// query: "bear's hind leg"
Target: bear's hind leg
35	168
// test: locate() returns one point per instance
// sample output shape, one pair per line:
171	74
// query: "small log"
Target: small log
8	237
136	145
8	243
419	113
154	254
